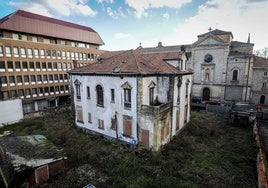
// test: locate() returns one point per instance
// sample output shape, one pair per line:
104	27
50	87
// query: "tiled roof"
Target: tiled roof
260	62
217	32
131	62
26	22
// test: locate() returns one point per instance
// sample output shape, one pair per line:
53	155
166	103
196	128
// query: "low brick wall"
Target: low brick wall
261	160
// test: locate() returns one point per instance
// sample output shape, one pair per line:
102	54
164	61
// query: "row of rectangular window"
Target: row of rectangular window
100	99
100	122
22	52
38	66
33	78
34	92
48	41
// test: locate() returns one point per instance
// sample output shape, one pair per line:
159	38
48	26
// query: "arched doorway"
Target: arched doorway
262	99
206	94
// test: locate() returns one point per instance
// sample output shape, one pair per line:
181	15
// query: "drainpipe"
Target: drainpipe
116	127
247	80
226	79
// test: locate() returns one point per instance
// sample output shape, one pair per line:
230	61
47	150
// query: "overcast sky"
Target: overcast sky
124	24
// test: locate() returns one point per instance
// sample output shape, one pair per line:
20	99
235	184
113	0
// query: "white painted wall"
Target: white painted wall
108	111
10	111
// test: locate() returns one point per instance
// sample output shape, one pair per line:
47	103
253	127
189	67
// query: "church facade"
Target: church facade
222	67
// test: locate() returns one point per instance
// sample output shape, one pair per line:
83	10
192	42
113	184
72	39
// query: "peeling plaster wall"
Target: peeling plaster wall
109	110
161	89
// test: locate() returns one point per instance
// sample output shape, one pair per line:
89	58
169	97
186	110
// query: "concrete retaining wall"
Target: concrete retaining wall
261	160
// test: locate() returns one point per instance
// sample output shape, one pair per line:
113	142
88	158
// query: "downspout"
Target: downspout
137	108
226	79
247	80
116	127
172	108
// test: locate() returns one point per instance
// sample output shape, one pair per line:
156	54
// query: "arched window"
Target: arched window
127	94
99	91
151	93
262	99
207	73
77	89
235	74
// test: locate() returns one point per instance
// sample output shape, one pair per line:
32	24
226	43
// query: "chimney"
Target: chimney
249	38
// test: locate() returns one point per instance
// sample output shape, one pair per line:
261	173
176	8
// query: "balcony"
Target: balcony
160	109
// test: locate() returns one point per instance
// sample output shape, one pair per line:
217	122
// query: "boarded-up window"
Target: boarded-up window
89	118
127	120
42	175
145	137
101	124
113	123
79	114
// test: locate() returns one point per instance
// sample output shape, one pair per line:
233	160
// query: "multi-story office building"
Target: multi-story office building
35	54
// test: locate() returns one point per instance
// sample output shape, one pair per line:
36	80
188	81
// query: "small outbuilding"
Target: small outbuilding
29	160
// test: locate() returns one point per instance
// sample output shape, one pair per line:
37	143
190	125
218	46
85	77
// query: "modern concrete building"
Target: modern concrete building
35	54
134	97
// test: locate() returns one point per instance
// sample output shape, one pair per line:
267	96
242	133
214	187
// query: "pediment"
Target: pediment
209	40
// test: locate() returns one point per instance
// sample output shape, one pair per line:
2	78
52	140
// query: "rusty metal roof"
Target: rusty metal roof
26	22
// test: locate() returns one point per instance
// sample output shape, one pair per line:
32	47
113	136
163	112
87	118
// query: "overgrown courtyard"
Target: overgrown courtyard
207	153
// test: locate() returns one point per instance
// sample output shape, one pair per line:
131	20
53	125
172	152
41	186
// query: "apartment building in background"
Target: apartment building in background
35	54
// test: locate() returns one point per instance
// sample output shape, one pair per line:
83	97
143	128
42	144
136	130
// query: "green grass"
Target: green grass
208	152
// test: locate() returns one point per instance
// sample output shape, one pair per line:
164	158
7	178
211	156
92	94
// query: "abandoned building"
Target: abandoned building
29	160
35	54
133	97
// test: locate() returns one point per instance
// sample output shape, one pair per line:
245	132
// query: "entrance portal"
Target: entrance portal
206	94
262	100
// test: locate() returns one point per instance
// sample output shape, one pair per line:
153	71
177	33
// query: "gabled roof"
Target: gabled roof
217	32
260	62
26	22
206	37
131	62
